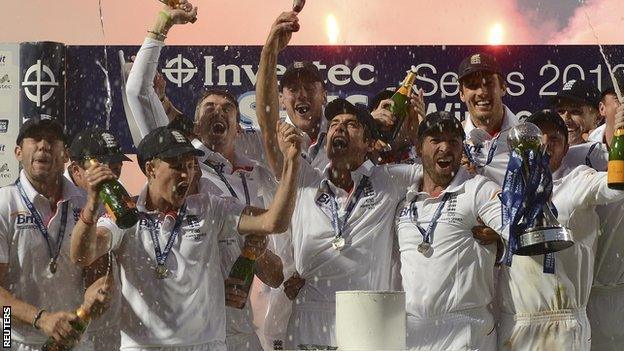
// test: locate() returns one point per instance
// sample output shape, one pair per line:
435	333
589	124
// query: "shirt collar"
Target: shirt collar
365	169
509	121
307	140
142	200
215	158
458	183
69	190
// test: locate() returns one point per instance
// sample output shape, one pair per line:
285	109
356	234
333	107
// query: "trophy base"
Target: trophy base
542	240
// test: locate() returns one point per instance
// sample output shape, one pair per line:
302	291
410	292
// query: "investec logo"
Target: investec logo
179	70
42	80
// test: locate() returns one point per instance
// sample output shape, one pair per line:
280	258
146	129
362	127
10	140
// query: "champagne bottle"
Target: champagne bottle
615	172
79	325
243	269
118	203
401	104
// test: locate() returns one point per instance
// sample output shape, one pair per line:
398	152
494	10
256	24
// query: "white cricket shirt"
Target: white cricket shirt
459	273
186	308
480	143
24	249
524	288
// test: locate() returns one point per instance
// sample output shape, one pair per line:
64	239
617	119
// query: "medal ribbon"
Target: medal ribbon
426	234
315	148
490	153
219	170
522	202
340	223
161	256
39	222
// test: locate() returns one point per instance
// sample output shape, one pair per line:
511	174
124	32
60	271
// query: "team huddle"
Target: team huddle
322	205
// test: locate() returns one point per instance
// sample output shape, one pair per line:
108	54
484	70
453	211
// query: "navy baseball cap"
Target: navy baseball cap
548	116
342	106
41	123
440	121
97	143
164	142
478	62
579	91
300	71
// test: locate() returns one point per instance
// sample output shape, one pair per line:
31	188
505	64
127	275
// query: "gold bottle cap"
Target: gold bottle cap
82	314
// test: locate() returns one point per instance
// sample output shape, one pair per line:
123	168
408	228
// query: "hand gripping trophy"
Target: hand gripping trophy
527	189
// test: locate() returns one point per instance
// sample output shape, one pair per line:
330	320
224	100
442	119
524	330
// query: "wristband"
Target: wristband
166	16
159	36
37	318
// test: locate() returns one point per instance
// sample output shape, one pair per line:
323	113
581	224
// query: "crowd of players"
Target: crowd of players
323	207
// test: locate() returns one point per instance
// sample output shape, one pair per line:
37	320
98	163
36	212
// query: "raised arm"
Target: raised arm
144	101
88	243
267	95
276	218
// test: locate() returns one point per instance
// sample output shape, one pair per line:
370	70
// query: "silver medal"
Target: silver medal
424	248
161	271
52	266
338	243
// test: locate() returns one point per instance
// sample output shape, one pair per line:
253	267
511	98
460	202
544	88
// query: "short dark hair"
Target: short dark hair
219	92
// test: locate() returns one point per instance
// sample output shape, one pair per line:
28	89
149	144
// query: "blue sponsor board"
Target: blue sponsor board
533	75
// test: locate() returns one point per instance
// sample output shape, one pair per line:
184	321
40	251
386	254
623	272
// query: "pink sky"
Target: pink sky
361	22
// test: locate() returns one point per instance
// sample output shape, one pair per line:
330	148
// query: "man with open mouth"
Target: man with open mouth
229	172
577	104
37	213
447	276
482	87
170	259
342	225
301	94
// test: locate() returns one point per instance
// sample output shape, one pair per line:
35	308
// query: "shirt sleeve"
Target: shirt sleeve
400	177
116	232
147	110
224	213
592	189
487	205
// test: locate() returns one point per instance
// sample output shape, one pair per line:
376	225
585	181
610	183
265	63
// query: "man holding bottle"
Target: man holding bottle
227	171
169	260
37	280
103	146
607	296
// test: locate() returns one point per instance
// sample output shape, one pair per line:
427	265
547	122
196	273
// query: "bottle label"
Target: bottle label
110	211
615	173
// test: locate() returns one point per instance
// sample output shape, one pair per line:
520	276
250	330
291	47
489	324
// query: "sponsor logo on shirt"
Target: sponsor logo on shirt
24	220
192	228
475	149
